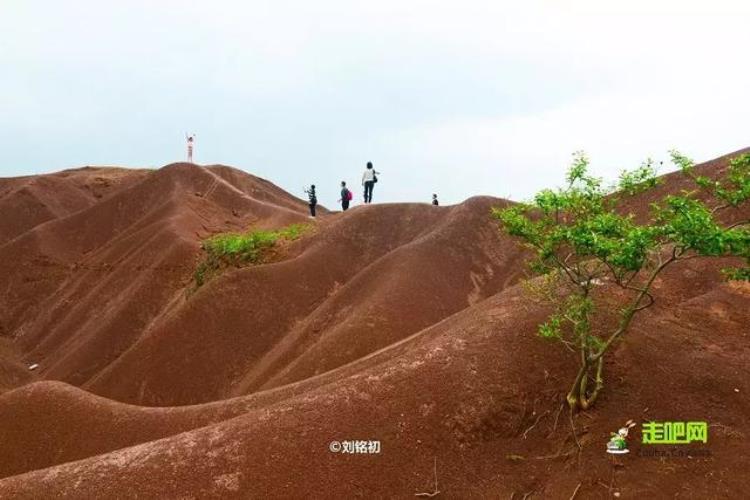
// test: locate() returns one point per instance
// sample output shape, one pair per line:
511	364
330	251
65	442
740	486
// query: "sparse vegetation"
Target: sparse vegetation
581	241
238	249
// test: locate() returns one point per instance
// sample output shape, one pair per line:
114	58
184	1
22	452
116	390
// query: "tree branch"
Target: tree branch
634	308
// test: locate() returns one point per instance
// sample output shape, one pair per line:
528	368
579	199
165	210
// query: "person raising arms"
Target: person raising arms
190	138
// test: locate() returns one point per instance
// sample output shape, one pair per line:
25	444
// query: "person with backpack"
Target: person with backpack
313	200
346	197
369	178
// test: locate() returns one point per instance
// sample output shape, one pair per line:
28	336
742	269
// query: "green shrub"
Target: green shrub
240	249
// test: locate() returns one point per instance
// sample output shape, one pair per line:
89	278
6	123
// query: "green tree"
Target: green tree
581	238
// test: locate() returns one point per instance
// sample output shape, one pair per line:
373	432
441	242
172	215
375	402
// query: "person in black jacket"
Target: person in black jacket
313	199
434	200
346	196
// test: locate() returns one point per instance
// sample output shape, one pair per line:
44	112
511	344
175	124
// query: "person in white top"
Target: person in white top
369	178
190	141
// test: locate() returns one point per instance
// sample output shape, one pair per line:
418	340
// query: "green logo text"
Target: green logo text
674	432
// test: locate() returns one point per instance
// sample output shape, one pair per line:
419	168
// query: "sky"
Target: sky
458	98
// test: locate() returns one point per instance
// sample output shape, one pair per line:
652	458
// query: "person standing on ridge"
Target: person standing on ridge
313	200
369	178
346	197
190	141
434	200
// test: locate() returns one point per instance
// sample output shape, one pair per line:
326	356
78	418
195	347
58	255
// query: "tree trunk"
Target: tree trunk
577	398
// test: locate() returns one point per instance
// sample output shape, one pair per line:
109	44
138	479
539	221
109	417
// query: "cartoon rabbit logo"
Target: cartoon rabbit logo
618	444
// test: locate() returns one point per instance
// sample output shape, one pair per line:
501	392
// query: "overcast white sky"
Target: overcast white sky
455	97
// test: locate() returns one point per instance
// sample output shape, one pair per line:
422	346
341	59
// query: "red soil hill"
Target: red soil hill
81	289
399	323
364	280
465	392
29	201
